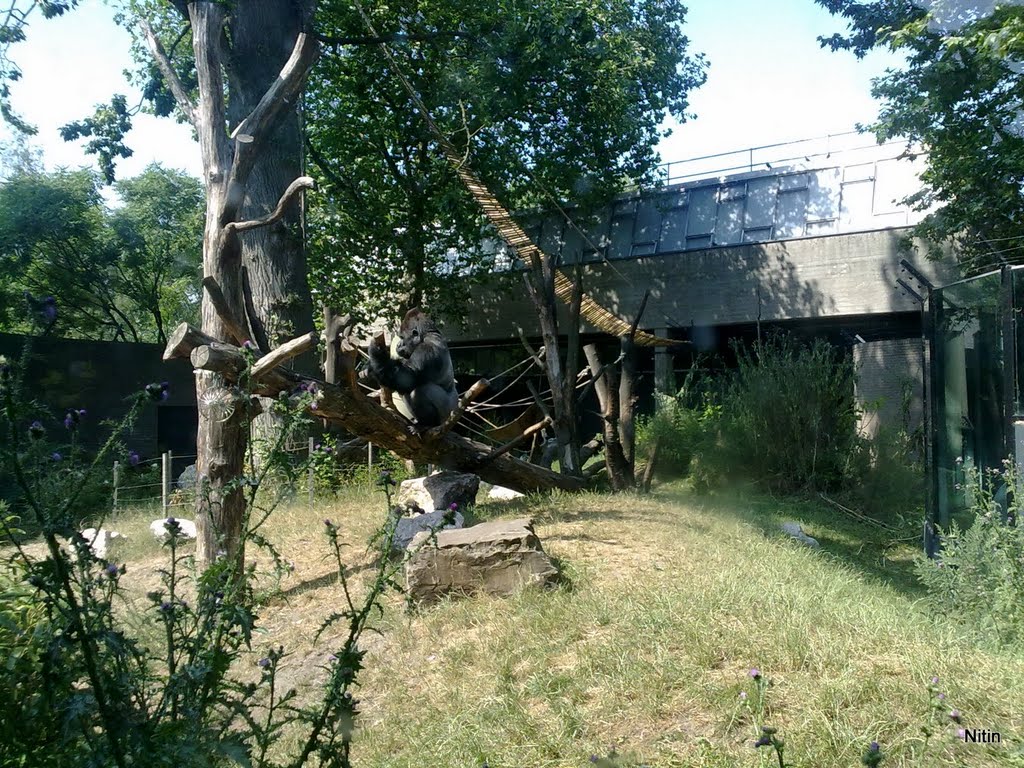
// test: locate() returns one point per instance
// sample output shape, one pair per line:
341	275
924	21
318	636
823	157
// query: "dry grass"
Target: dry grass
667	603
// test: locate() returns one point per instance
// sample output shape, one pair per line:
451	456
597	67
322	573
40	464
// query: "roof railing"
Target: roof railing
830	150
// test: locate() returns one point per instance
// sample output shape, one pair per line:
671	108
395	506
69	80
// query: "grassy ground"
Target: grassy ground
667	604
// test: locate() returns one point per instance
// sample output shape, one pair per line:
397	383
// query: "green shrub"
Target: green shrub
787	420
978	578
677	429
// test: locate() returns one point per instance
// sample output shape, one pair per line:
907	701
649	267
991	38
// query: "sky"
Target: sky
769	81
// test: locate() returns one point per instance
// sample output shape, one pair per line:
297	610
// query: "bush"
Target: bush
978	578
787	420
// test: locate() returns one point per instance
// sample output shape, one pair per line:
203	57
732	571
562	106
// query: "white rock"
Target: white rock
159	528
501	493
795	530
101	541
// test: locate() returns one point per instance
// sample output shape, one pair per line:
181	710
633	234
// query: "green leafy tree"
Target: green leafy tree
959	96
118	275
549	100
158	231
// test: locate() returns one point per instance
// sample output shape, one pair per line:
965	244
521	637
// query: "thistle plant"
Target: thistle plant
81	686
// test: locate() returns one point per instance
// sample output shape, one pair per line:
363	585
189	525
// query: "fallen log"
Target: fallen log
369	420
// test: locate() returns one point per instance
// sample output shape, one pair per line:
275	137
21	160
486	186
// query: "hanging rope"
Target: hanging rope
502	220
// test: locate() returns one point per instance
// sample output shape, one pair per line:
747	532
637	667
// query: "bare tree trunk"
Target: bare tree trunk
274	257
541	285
228	164
606	385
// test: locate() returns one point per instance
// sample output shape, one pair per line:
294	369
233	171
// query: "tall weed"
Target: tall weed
978	578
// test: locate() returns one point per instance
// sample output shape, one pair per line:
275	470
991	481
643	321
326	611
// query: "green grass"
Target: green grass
667	603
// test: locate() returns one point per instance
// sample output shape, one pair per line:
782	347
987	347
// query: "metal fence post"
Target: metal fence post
309	473
165	481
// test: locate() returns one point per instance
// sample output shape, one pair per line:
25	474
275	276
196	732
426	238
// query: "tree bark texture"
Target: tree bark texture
229	162
540	284
274	257
607	387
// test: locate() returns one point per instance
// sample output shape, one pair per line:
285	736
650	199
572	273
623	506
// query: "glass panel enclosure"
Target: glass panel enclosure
974	396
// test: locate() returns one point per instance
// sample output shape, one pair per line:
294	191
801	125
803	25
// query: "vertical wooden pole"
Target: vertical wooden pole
117	479
369	462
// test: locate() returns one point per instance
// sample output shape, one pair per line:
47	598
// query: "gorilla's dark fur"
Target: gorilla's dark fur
422	377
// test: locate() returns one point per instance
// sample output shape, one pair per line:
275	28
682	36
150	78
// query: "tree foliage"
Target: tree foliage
550	100
123	274
959	96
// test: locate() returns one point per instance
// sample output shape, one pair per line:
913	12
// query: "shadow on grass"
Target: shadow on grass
879	554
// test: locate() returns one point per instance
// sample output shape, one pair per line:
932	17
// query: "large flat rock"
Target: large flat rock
497	558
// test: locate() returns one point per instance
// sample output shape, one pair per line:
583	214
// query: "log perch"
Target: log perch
362	416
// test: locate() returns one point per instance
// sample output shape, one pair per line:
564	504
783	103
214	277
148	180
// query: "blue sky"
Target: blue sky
769	82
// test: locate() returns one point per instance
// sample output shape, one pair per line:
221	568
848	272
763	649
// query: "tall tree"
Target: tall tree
120	275
558	100
959	97
158	234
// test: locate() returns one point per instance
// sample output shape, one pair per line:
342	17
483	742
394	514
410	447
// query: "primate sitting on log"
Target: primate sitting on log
422	376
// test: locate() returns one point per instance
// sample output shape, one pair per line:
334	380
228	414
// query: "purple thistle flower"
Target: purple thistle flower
263	663
743	695
166	607
755	673
158	392
249	345
111	570
133	458
73	417
454	507
56	456
935	681
961	734
874	746
764	741
36	430
955	715
941	697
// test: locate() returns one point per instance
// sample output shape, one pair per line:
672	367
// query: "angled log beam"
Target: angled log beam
220	304
503	449
284	353
163	63
371	421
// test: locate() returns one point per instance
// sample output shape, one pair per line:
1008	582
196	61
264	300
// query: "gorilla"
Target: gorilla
421	376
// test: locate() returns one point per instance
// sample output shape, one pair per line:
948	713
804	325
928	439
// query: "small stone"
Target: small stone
409	527
440	490
187	479
501	493
101	541
159	528
795	530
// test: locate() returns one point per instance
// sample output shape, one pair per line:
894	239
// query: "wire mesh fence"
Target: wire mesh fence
152	482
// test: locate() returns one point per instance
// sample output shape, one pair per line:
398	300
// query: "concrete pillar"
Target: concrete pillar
664	376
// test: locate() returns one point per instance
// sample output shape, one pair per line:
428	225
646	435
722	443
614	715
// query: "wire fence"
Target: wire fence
172	491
